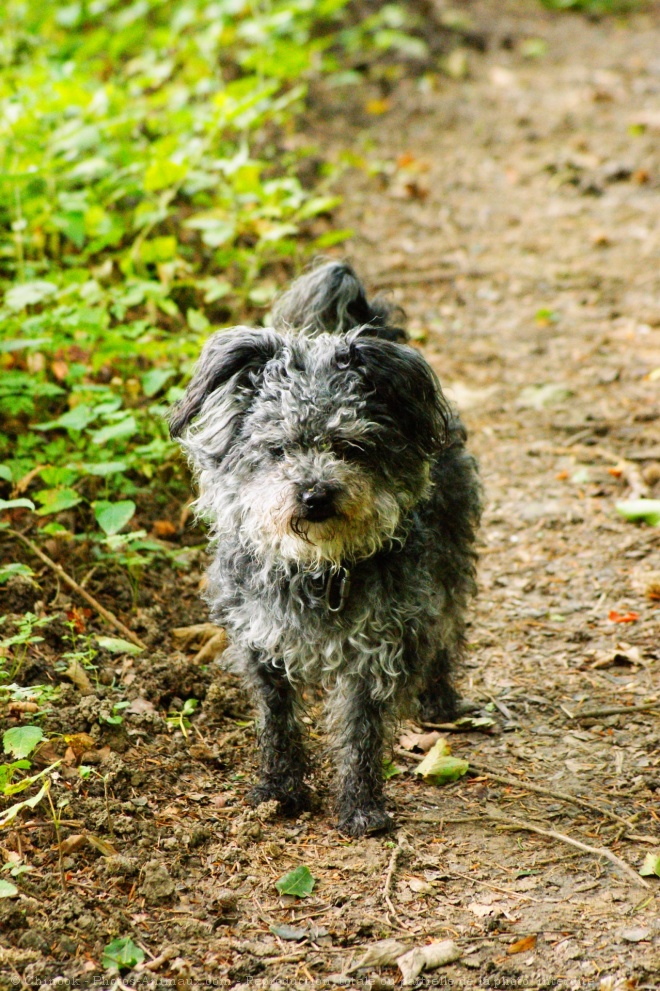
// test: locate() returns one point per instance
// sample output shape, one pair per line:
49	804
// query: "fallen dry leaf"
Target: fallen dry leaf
616	617
522	945
385	953
418	741
164	529
74	842
429	957
77	674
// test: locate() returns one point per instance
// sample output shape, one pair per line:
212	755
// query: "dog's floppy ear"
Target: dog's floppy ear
405	391
225	355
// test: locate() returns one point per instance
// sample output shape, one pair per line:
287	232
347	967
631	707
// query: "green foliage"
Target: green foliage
595	7
297	882
21	741
149	195
179	720
19	643
122	954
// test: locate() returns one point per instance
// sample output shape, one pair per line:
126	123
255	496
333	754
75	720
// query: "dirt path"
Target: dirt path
515	215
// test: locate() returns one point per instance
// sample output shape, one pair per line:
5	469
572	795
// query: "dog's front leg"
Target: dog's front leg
283	759
357	725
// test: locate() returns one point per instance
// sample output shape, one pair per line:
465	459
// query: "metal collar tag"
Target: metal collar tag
336	590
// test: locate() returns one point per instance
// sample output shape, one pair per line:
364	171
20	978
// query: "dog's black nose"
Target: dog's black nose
318	501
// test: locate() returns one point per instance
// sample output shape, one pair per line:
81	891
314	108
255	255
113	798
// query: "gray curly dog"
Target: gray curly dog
344	508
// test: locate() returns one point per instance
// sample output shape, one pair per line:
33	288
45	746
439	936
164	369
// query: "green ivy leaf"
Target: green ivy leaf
153	381
390	770
121	430
21	741
56	500
28	294
113	516
297	882
8	571
162	174
75	419
118	646
7	889
104	468
640	510
15	504
122	954
651	865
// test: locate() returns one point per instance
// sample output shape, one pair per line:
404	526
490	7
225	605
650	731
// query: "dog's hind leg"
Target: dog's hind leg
357	723
282	752
438	698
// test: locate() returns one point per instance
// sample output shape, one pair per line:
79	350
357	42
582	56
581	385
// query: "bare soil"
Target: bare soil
514	213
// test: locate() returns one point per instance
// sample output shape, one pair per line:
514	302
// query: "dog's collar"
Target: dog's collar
328	589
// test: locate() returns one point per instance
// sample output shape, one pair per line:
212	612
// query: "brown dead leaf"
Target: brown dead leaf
522	945
23	483
422	742
60	369
80	743
104	847
164	529
77	674
74	842
45	754
16	708
78	617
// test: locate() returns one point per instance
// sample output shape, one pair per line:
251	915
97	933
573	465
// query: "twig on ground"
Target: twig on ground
389	877
504	891
286	958
563	796
615	710
630	471
108	616
168	954
632	875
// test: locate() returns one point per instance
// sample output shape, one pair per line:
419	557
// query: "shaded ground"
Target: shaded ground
515	216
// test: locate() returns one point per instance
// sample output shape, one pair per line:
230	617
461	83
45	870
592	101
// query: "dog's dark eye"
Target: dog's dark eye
347	451
276	453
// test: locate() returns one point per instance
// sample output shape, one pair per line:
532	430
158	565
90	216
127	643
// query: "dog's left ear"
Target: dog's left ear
406	391
239	354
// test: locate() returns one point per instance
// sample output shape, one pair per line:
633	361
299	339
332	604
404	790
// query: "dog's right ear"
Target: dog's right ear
240	354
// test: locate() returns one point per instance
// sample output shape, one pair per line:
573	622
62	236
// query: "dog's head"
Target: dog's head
313	448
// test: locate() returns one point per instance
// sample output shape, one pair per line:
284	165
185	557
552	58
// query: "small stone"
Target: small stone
157	885
635	935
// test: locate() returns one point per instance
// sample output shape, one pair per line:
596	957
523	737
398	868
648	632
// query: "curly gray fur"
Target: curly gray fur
331	298
318	455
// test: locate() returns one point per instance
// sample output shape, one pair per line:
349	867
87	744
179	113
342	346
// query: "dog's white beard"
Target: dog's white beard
366	519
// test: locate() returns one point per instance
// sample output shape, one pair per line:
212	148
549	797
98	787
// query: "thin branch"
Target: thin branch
563	796
389	877
553	835
615	710
108	616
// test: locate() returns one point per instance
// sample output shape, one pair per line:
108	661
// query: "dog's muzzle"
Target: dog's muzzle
317	502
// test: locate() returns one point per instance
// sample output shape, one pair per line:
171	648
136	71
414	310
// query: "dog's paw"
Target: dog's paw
365	822
290	803
436	709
